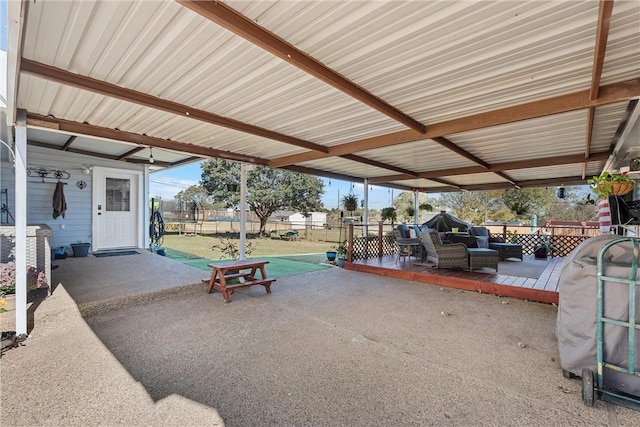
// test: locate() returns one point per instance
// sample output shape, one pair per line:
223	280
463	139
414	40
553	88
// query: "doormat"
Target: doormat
115	253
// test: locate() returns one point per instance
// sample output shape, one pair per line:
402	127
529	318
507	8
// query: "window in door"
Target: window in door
118	194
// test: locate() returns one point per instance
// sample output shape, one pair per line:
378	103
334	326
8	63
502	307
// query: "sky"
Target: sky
167	183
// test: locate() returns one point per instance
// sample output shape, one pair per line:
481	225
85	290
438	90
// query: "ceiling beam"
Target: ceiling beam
228	18
48	72
94	154
569	180
130	153
464	153
498	167
332	175
506	178
447	183
548	161
145	161
609	94
36	120
185	161
574	180
390	178
591	113
108	89
67	144
375	163
602	35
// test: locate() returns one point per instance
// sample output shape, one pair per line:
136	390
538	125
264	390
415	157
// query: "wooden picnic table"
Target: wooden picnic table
245	270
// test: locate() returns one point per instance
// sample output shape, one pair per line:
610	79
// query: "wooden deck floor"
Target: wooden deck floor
543	289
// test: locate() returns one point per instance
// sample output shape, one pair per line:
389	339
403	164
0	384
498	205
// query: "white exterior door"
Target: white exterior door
116	208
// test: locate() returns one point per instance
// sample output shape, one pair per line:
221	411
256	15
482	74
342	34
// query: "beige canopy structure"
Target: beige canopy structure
415	95
449	96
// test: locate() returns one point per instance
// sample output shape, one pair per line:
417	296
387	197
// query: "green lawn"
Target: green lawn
200	245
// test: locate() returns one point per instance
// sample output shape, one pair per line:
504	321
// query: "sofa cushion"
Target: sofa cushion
414	231
482	242
479	231
404	230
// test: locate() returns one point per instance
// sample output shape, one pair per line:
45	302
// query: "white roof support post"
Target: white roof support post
21	223
146	211
365	214
244	167
416	211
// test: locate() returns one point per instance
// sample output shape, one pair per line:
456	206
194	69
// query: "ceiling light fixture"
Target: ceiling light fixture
151	160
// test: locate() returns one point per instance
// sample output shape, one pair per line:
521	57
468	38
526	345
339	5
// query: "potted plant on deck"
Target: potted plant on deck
80	249
341	252
331	255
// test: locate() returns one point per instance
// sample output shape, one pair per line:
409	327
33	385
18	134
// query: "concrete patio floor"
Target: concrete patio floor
326	348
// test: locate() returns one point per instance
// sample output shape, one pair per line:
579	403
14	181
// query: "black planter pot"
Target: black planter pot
80	249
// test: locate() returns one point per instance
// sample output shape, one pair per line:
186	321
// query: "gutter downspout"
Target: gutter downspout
416	210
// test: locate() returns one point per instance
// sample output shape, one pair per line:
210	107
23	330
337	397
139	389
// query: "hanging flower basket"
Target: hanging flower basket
616	188
606	184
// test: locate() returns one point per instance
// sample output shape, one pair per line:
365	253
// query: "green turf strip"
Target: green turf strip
282	266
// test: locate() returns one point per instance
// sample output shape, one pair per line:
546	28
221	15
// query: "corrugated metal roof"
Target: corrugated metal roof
435	61
443	60
419	156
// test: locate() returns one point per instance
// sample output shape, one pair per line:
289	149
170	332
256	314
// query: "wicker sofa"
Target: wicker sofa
451	255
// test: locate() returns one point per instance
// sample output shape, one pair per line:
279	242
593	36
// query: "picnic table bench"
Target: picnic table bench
240	269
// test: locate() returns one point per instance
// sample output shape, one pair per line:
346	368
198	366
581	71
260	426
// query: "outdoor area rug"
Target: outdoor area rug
529	267
115	253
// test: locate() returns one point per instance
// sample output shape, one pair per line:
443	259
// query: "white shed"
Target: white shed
315	220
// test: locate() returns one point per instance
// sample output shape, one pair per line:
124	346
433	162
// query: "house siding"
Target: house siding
76	225
316	220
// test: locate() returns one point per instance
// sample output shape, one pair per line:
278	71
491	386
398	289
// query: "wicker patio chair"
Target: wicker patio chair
418	250
451	255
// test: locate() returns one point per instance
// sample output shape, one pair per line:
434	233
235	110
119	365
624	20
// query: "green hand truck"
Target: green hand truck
593	383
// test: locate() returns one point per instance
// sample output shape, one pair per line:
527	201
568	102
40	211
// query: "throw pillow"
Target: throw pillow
482	241
412	233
